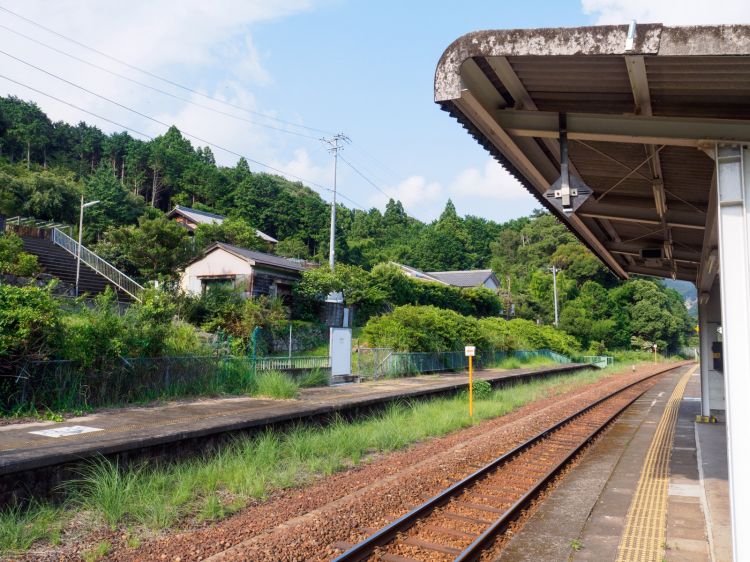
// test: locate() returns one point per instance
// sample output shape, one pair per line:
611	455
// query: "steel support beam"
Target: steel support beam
638	129
627	215
481	118
733	185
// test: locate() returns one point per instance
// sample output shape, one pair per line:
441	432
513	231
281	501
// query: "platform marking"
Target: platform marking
66	431
645	527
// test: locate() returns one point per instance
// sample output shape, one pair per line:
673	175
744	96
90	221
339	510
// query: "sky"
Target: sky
310	67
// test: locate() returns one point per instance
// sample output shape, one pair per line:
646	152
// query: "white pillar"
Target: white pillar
705	347
733	181
712	381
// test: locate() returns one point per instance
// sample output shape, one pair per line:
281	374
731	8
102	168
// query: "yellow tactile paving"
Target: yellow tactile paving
645	526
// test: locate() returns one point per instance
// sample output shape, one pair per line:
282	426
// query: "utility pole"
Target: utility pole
554	271
335	144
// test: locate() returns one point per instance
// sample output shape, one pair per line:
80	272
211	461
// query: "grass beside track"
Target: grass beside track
143	499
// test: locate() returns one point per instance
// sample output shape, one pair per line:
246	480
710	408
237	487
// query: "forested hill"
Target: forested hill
45	166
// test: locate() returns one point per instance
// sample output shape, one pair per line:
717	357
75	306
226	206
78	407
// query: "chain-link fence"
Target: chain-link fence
68	385
376	363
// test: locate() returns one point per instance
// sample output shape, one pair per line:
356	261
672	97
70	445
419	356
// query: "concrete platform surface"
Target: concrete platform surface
135	428
584	517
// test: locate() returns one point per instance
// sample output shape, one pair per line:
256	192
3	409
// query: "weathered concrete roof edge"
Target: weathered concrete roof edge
650	39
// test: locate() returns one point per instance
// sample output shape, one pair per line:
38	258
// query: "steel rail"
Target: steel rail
362	550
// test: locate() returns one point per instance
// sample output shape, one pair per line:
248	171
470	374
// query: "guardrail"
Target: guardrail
101	266
292	363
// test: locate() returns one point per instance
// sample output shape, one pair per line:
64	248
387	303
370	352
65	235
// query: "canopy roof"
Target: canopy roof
644	111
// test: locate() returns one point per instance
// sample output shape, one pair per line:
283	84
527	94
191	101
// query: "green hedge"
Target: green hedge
429	328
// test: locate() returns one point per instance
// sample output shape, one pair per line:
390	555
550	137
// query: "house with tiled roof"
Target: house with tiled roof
190	218
462	278
253	273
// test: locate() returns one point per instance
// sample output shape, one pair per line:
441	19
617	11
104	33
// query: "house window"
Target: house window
221	282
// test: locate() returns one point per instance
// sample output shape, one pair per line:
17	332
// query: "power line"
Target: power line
156	76
158	90
127	128
379	163
77	107
364	177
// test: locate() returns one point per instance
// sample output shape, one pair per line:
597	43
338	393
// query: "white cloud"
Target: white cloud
685	12
493	182
205	45
490	191
421	198
303	166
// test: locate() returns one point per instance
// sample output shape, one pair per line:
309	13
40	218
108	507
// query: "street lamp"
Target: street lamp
80	238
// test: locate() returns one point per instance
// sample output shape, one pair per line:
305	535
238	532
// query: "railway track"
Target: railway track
464	520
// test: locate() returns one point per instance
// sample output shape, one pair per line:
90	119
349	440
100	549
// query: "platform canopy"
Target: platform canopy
644	106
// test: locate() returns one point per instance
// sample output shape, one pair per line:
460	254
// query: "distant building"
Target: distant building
464	278
254	273
191	218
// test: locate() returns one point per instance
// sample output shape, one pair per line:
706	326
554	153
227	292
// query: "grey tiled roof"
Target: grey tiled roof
470	278
259	257
203	217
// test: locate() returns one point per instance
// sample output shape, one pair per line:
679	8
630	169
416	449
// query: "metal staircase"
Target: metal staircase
57	254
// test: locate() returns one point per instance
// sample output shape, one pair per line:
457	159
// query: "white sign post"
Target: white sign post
469	352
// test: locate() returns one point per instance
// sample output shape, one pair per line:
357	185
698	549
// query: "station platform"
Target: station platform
31	452
654	487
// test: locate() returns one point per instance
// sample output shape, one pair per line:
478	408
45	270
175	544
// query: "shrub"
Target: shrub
427	328
481	390
423	328
29	325
13	260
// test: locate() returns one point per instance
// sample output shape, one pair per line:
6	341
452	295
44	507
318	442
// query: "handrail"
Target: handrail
101	266
287	363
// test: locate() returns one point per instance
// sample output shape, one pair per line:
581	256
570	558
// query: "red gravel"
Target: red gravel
305	524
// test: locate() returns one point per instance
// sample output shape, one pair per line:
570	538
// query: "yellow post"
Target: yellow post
471	388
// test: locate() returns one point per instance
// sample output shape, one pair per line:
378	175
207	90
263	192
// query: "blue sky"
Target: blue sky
362	68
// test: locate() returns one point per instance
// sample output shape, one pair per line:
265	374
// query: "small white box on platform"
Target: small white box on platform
469	350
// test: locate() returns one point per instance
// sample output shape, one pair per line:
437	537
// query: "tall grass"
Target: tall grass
22	527
252	467
274	384
521	362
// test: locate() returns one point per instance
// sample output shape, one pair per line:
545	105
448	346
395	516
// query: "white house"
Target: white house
254	273
463	278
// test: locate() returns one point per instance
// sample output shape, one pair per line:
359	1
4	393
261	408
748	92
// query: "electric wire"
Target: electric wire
77	107
200	139
364	177
144	85
156	76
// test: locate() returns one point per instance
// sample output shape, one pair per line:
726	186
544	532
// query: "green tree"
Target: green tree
116	205
157	247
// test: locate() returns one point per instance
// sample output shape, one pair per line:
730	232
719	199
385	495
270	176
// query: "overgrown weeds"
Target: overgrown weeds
274	384
210	488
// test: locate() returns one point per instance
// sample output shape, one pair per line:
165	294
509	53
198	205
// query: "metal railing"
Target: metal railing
600	361
292	363
102	267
